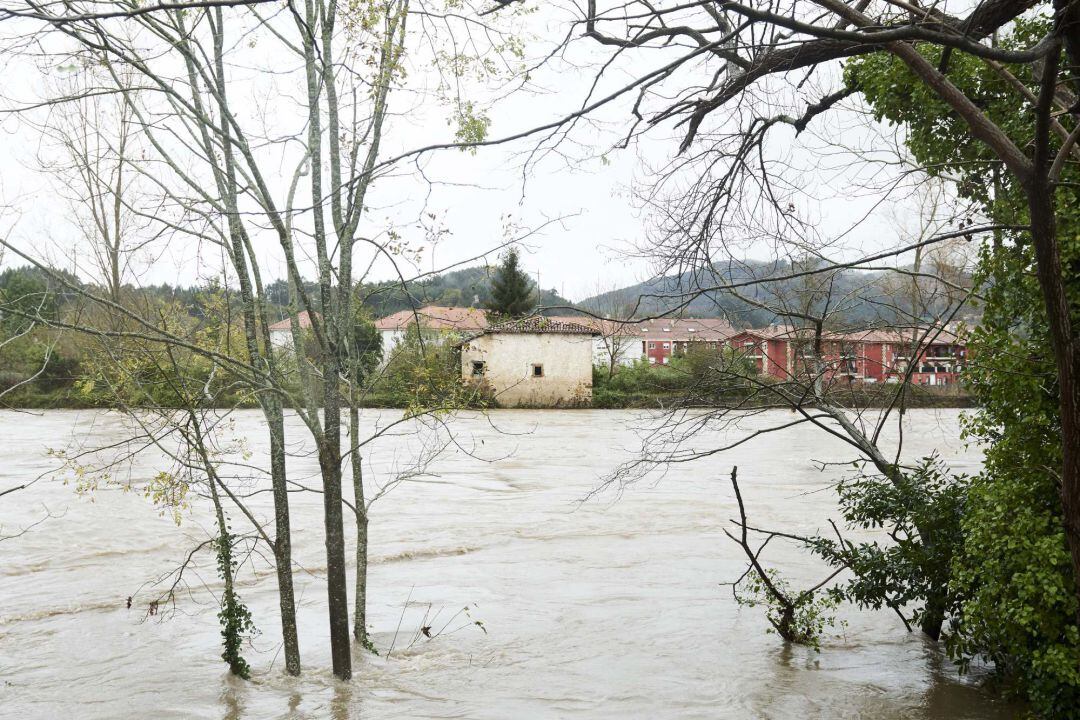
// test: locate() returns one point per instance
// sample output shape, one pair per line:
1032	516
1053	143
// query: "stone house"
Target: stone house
534	362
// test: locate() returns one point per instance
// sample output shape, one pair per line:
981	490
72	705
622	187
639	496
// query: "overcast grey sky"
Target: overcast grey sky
593	222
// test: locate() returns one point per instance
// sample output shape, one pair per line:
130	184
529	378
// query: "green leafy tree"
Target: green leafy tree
451	297
921	509
24	296
367	343
512	294
1012	579
423	374
1015	575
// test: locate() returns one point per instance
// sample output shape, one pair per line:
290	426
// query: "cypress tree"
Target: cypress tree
511	289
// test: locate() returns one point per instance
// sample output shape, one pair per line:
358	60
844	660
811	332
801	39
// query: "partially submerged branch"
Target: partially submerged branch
799	617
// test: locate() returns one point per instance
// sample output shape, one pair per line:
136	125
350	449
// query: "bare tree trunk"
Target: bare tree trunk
336	585
282	536
359	505
360	627
254	317
359	501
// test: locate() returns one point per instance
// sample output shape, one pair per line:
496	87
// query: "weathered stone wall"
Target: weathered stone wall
508	367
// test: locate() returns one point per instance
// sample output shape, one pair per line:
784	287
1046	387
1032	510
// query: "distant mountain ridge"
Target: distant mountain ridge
859	297
467	287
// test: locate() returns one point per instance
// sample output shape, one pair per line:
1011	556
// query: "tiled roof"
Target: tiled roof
436	317
541	324
303	318
677	329
873	335
905	335
685	329
603	326
774	332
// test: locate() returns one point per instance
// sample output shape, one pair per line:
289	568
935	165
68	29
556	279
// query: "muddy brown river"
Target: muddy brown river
608	608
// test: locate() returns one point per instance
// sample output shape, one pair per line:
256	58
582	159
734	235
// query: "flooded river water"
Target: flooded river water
611	608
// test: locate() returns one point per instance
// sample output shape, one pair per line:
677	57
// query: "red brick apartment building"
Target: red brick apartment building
870	356
664	338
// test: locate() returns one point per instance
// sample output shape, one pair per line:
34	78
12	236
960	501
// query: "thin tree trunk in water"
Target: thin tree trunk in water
360	612
336	584
360	628
254	317
337	590
934	616
283	537
330	357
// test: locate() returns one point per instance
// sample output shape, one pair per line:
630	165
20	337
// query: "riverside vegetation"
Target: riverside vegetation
988	564
44	367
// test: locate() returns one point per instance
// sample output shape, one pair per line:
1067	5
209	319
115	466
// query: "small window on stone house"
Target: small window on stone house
537	370
478	368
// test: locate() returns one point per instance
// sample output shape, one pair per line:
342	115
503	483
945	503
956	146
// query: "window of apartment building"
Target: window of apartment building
652	346
666	358
537	370
652	361
667	346
478	368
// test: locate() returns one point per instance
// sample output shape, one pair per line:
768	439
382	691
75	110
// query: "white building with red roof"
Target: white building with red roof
281	332
434	320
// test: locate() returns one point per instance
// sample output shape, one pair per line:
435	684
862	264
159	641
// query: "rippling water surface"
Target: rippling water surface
610	608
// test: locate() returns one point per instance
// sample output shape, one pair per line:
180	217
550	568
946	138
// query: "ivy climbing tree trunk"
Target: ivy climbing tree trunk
1067	359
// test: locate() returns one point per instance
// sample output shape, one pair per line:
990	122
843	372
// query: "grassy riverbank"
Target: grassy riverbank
416	379
603	399
683	383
